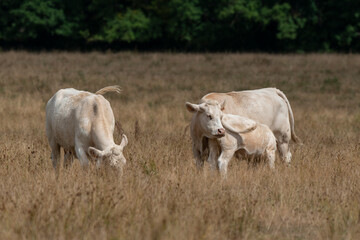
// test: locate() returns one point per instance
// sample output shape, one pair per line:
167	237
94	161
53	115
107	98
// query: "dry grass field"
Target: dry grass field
161	194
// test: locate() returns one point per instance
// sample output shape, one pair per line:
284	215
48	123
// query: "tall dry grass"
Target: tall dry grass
161	194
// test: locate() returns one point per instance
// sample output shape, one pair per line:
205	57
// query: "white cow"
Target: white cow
268	106
232	133
206	124
243	133
83	123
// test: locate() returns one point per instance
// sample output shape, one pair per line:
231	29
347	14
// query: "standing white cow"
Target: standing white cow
232	133
83	123
268	106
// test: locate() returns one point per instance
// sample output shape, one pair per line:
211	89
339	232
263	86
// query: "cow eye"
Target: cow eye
210	117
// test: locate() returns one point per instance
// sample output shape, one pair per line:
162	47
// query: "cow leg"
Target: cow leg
213	154
285	152
224	160
55	154
68	158
283	138
270	155
252	160
81	154
241	156
199	162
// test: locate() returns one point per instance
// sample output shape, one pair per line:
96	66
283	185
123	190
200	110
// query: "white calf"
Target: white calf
243	133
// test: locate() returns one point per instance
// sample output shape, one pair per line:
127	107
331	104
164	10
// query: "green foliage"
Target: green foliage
287	24
345	38
37	17
184	23
131	26
275	25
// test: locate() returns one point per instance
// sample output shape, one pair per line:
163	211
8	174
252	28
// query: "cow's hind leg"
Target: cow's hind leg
285	152
283	139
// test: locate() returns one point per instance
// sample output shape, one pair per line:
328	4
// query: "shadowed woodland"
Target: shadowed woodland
181	25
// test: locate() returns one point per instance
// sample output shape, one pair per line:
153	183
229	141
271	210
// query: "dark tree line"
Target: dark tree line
190	25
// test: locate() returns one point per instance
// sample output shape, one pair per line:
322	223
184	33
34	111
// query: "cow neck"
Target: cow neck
198	128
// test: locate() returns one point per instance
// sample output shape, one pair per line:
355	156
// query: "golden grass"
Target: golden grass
162	195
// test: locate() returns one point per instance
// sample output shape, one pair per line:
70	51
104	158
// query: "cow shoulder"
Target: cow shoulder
212	96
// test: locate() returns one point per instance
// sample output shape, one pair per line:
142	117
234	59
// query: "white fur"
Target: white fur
242	133
268	106
206	123
83	124
208	114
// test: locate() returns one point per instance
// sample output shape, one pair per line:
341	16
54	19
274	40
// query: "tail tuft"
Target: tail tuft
295	138
115	88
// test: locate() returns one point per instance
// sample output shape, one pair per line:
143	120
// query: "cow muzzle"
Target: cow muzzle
220	132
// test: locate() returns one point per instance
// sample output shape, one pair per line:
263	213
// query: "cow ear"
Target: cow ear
192	107
238	124
124	141
95	153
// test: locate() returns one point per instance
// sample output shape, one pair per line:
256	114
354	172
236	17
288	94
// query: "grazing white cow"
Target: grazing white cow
243	133
268	106
82	123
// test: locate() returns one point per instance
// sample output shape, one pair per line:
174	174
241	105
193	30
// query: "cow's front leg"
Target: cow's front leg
270	155
213	153
199	162
55	155
68	158
81	154
224	160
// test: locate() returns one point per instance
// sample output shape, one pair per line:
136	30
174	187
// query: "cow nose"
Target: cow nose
221	131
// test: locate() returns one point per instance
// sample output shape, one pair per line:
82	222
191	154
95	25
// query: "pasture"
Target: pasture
161	194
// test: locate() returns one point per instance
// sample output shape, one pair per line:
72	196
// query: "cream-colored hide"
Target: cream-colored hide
82	123
206	123
268	106
243	133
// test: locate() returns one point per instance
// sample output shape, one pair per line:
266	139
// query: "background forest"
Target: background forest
185	25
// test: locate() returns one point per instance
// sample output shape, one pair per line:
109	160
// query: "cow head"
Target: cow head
113	155
209	117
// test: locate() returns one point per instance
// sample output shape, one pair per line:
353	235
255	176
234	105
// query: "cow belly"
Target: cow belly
64	138
62	126
255	142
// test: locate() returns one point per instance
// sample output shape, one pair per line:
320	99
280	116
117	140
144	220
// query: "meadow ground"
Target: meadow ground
161	194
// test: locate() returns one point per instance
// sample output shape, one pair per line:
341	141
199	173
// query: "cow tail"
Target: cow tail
104	90
293	135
